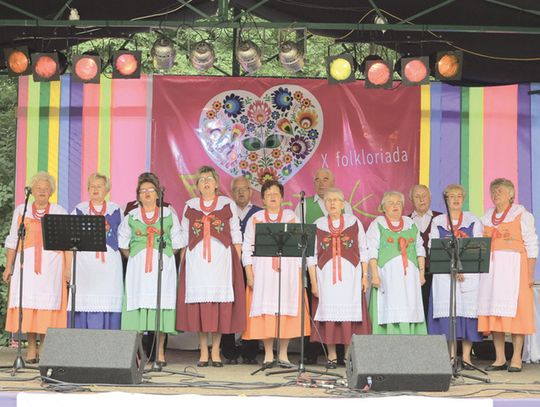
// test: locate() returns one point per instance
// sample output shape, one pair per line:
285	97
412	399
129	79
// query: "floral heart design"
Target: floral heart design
263	138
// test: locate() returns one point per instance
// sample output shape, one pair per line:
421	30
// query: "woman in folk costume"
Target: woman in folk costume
396	261
138	238
44	295
211	293
99	274
339	275
505	295
465	225
262	275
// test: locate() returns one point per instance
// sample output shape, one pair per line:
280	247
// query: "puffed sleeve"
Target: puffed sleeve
236	232
373	237
362	243
528	231
176	233
11	239
420	251
249	240
124	234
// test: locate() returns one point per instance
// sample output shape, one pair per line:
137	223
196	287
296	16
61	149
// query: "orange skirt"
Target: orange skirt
265	326
38	320
523	322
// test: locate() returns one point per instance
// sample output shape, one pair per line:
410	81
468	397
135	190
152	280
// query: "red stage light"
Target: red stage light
126	64
86	68
377	72
17	61
413	70
48	66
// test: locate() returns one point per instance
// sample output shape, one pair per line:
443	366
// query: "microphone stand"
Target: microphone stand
19	361
156	366
455	268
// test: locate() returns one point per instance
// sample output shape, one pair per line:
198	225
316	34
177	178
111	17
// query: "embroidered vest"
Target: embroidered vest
389	246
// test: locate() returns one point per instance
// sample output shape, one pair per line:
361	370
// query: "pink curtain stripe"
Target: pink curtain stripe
128	136
90	133
500	136
20	165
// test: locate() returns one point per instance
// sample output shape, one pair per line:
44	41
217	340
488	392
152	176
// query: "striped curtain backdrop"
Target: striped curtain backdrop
72	129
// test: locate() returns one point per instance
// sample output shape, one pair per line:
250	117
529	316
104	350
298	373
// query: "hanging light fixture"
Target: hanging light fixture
18	61
163	53
248	55
377	72
340	68
291	57
126	64
413	70
86	68
448	65
202	56
48	66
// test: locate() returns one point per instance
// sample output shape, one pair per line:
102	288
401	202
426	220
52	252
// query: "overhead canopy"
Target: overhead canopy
500	39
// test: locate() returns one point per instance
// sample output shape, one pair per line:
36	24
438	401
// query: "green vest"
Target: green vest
389	246
313	210
139	235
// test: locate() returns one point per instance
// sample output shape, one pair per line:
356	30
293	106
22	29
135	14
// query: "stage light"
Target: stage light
377	72
202	56
48	66
291	57
448	65
126	64
413	70
18	61
86	68
248	55
340	68
163	53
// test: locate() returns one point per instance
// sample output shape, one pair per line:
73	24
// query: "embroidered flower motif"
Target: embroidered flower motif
244	164
233	105
278	164
282	99
300	147
276	153
411	240
307	118
138	232
259	112
298	95
253	156
216	105
325	243
346	241
306	102
267	174
210	114
390	240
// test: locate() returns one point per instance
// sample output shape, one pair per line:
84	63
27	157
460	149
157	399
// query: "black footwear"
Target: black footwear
32	361
162	363
331	364
467	366
217	364
492	368
285	364
512	369
202	363
268	365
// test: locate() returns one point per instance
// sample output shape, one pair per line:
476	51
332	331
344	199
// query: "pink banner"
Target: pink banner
271	128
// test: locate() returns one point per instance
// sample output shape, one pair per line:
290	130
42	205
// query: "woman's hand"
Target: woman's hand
249	276
315	290
6	275
365	283
460	277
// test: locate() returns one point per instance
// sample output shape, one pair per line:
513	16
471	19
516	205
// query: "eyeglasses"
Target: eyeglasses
145	190
241	190
206	179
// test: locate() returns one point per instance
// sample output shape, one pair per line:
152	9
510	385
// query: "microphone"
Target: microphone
27	190
302	194
445	196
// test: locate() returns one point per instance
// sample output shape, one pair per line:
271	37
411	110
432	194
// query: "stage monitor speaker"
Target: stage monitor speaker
92	356
399	363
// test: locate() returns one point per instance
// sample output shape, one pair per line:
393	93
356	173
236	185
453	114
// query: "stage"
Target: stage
26	388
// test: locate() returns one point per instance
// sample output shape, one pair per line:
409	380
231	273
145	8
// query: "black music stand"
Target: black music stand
468	256
75	233
286	240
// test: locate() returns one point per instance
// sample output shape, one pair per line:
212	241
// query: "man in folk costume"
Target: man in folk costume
314	209
422	215
241	194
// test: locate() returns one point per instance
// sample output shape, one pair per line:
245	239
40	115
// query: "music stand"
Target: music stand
468	256
75	233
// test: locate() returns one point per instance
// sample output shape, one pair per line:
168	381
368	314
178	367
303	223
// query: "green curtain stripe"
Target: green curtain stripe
104	146
465	143
476	151
32	131
43	144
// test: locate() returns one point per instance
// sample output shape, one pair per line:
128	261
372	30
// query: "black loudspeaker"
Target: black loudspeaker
399	363
92	356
